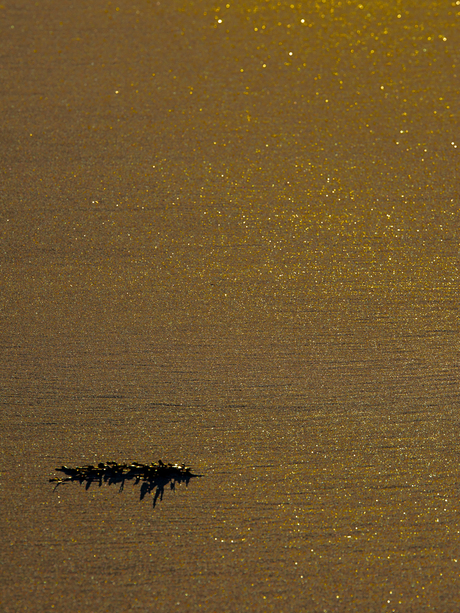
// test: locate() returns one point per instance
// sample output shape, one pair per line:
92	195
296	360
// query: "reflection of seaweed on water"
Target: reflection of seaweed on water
155	477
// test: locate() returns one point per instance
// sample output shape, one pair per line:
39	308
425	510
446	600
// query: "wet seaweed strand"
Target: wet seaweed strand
113	471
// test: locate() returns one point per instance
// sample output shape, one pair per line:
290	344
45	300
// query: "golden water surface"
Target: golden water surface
229	236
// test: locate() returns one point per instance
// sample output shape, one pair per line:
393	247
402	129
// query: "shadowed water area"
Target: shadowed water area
229	238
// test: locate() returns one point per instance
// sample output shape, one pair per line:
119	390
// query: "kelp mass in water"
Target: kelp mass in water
154	476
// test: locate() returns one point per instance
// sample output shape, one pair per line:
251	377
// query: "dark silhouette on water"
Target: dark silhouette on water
154	477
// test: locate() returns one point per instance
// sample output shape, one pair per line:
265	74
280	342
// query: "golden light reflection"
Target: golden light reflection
245	216
312	146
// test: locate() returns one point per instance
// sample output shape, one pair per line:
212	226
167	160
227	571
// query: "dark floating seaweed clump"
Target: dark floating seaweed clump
154	476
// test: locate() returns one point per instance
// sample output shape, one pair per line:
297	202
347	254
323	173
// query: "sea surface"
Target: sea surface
229	237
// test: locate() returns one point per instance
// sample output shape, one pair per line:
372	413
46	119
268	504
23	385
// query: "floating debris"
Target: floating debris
154	476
